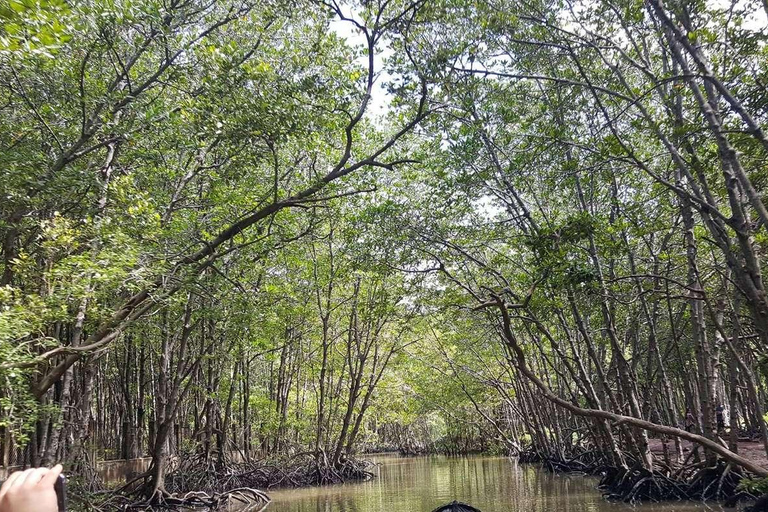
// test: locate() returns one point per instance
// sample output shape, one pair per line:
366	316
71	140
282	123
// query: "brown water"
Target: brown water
491	484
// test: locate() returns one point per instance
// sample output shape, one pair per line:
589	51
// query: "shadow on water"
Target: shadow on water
491	484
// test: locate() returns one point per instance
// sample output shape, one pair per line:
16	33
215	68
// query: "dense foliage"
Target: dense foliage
215	241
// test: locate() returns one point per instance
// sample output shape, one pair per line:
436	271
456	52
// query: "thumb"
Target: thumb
50	478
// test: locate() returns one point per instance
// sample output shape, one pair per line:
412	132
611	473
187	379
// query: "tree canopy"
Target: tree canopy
551	238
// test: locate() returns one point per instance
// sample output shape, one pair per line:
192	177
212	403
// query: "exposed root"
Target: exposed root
203	483
254	499
530	455
638	484
635	483
301	470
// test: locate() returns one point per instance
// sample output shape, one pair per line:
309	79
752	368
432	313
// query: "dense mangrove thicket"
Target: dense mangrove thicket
256	239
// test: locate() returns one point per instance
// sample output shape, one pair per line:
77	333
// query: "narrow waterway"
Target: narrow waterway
492	484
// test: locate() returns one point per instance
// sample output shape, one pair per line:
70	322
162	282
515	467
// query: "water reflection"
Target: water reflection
492	484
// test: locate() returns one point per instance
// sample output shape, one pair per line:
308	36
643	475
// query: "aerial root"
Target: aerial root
635	483
254	499
530	455
301	470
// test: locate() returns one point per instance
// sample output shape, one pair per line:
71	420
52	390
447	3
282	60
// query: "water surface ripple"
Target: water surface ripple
492	484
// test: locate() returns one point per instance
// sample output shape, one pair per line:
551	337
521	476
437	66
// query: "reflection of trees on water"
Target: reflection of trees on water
492	484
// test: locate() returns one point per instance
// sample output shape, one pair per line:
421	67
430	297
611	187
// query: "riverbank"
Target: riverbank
198	482
691	478
752	450
302	475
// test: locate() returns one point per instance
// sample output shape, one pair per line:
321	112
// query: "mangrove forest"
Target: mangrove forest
248	245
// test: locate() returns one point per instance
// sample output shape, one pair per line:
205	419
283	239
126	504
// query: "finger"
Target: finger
9	483
22	478
35	476
50	478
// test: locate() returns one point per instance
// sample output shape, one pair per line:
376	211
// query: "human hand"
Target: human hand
30	491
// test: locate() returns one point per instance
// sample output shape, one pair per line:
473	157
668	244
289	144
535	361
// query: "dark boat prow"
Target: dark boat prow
456	507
